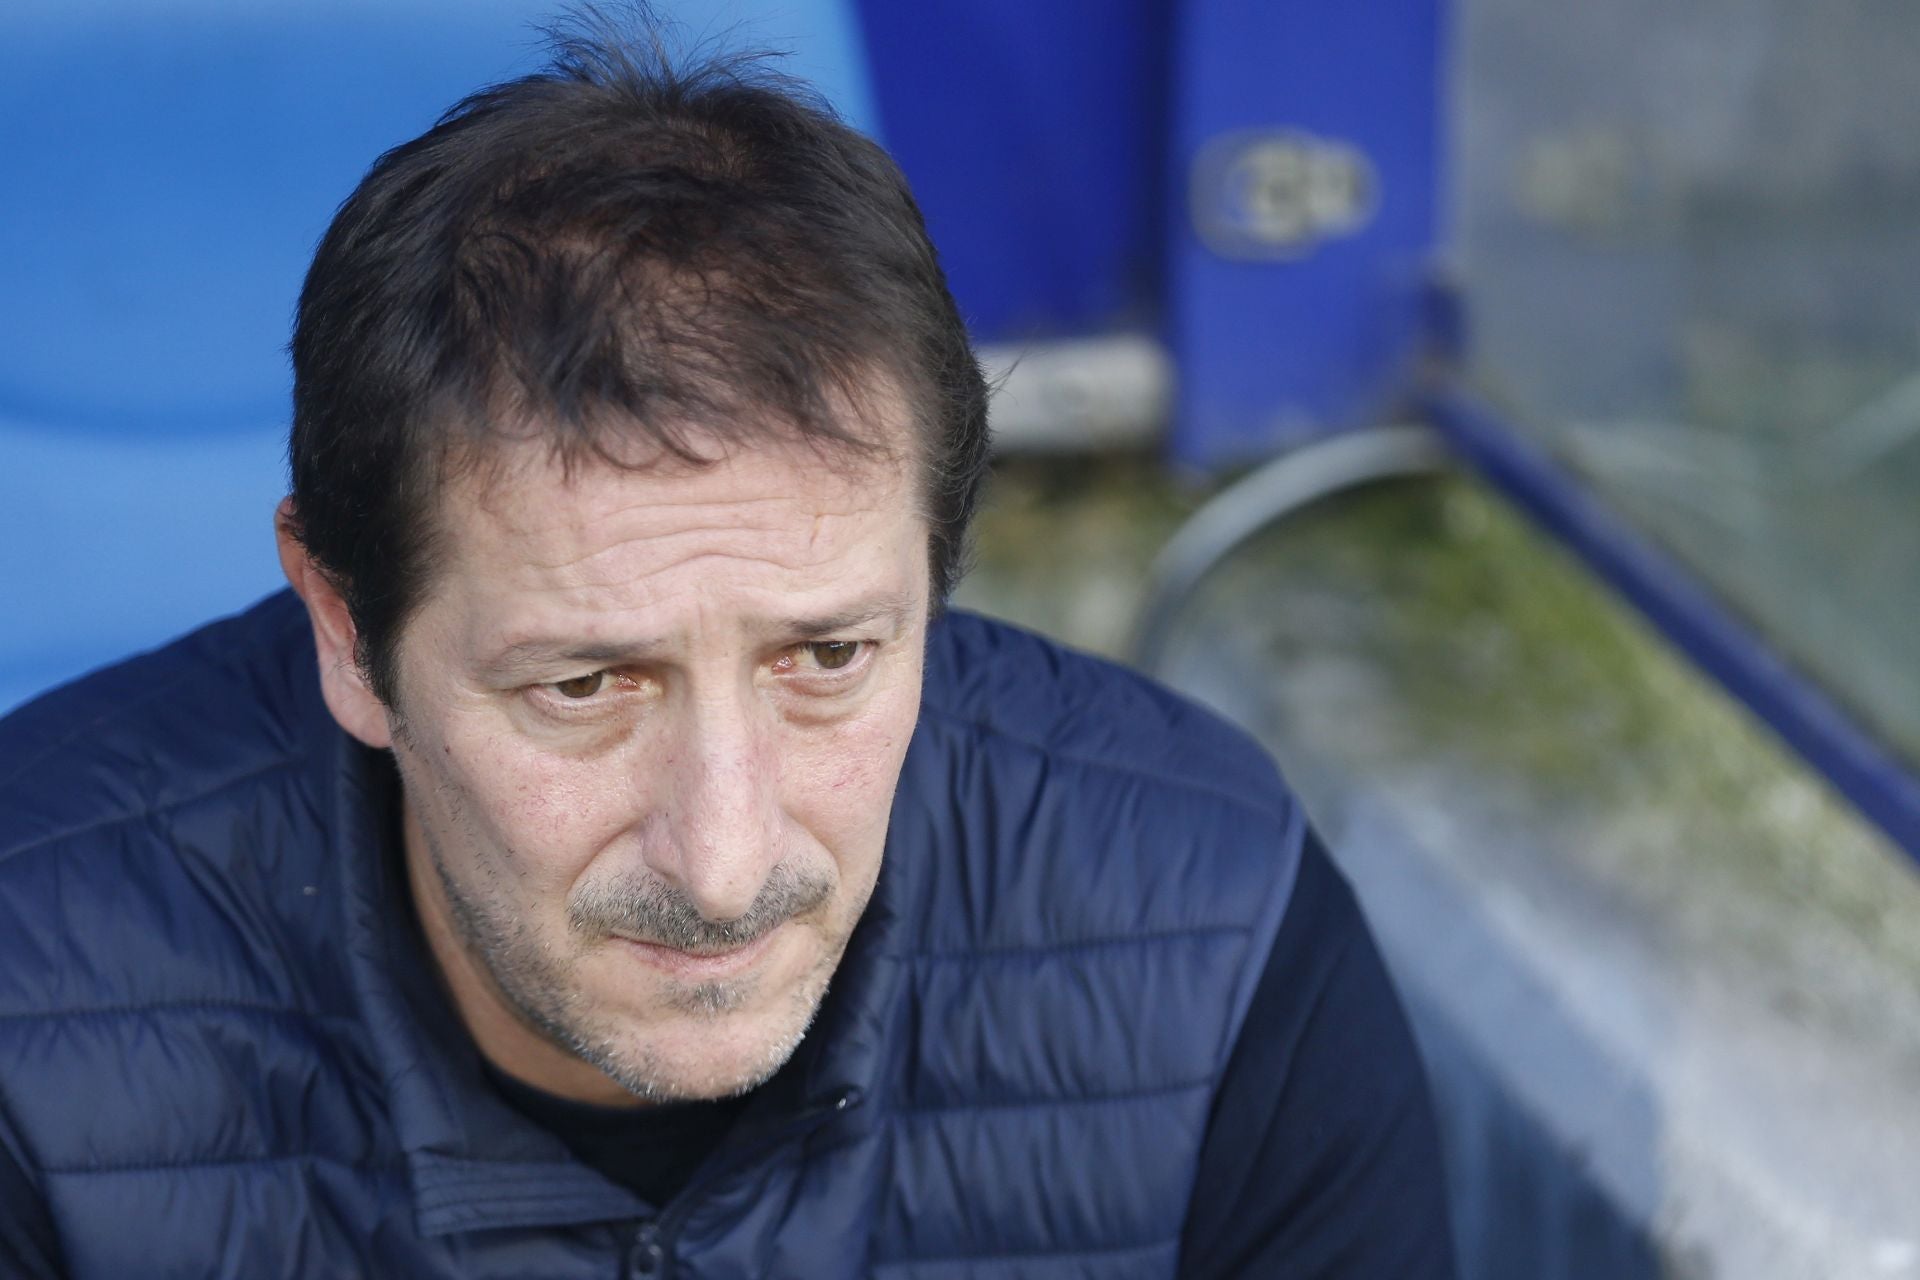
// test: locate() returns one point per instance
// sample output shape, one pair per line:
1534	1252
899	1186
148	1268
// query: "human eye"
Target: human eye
832	655
580	688
579	695
825	664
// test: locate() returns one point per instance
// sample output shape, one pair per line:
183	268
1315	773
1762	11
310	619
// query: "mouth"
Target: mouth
700	966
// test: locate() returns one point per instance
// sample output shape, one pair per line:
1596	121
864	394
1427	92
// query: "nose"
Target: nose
723	827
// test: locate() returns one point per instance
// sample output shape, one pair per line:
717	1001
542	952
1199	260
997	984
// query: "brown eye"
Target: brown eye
581	686
831	655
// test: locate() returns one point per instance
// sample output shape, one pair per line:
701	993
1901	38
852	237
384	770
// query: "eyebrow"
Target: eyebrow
890	609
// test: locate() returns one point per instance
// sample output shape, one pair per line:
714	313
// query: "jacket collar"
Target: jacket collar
472	1160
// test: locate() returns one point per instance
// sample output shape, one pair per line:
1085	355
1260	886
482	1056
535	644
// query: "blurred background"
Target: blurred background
1508	410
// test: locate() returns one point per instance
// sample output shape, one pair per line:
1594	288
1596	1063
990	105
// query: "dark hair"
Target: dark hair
600	256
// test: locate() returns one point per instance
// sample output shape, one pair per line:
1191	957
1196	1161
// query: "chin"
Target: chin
715	1040
706	1057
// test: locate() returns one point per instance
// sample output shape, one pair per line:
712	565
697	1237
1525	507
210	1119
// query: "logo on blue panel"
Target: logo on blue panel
1279	193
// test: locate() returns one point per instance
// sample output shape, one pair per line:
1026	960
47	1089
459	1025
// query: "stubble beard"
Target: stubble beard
543	989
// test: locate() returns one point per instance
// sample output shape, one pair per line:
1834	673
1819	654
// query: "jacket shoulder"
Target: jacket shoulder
156	729
151	815
1026	690
1073	802
1088	871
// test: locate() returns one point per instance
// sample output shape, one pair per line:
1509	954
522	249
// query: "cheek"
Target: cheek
840	783
849	767
546	817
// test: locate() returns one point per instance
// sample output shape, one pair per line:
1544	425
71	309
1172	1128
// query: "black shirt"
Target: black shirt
652	1151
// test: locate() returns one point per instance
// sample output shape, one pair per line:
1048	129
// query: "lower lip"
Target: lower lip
708	968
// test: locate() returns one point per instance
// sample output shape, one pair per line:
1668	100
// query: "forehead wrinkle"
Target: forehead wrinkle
688	611
632	588
773	544
547	517
569	531
563	521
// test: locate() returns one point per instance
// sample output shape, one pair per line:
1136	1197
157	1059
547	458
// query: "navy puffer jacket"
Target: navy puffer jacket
221	1055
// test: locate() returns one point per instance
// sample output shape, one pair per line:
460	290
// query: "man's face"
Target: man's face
649	728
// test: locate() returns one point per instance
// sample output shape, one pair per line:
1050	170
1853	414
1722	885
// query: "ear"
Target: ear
348	695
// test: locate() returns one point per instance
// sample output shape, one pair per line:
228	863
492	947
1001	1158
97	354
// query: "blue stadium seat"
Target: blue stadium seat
166	167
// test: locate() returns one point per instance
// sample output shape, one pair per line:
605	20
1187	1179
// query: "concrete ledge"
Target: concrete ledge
1079	394
1669	984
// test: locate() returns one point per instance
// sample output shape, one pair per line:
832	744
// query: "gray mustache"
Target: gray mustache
657	912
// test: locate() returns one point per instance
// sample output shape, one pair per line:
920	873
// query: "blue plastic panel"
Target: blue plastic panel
1306	143
1034	134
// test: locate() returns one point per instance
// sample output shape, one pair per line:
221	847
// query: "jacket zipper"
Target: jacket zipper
663	1230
